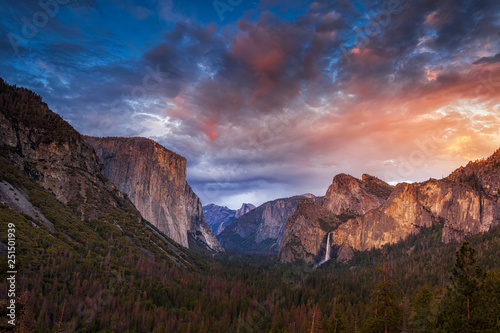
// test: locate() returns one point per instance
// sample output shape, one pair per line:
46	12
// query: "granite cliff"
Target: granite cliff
154	179
347	194
50	174
460	209
347	197
44	146
462	204
261	229
305	232
245	208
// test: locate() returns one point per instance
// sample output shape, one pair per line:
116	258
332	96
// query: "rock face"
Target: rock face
261	229
17	201
460	209
348	194
43	158
218	217
305	232
154	179
464	203
245	208
49	150
482	175
347	197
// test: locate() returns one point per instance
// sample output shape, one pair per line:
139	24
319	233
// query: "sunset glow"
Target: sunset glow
272	99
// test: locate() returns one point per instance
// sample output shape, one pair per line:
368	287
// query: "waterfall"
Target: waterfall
328	252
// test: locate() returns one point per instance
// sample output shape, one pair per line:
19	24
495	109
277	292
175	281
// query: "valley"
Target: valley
110	237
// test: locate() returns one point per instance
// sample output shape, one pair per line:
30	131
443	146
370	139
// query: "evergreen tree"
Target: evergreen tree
335	324
459	300
388	315
487	313
421	320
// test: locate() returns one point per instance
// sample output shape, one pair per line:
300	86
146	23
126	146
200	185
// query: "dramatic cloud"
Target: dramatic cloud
271	98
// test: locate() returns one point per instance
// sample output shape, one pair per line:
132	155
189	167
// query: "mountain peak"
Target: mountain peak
349	194
245	208
154	178
218	217
465	203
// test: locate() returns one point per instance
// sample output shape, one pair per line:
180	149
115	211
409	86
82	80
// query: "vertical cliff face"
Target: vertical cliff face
245	208
50	173
347	197
154	179
348	194
465	203
49	150
460	210
199	232
305	232
261	229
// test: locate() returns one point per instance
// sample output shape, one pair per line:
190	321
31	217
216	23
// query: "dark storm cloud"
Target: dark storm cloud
488	60
464	21
270	65
282	98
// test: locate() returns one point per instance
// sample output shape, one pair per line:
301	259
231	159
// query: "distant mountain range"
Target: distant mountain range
362	214
144	181
261	229
219	217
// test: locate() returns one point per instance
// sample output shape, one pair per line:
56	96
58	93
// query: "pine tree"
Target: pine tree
466	277
421	319
487	314
335	324
458	302
388	316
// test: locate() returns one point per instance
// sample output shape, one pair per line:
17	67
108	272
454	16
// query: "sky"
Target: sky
270	98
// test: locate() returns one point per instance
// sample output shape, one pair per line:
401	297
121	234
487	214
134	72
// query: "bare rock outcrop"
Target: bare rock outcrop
154	179
464	203
460	209
245	208
50	151
349	194
347	197
305	232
